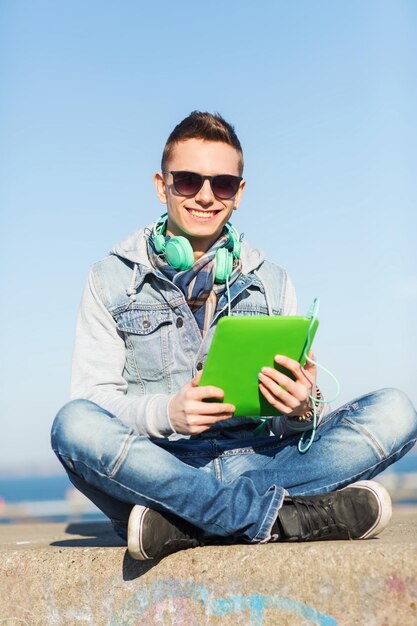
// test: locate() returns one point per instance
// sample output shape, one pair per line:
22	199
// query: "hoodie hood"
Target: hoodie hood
134	249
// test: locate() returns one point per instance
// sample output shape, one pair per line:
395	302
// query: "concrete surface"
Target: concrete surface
53	574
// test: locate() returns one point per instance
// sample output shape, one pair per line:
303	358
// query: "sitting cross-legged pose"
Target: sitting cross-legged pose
171	470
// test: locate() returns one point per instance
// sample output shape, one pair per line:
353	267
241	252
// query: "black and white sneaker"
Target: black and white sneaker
153	535
359	511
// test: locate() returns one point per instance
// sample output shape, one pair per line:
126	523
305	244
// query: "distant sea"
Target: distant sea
34	488
44	488
40	489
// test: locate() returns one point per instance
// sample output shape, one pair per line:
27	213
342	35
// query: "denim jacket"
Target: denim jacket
137	342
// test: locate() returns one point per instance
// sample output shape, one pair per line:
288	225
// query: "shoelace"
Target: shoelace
185	532
185	539
317	518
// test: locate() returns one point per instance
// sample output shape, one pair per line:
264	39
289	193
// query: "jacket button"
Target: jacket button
199	366
180	322
146	323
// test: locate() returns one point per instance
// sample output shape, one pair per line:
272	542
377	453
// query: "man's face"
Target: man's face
201	217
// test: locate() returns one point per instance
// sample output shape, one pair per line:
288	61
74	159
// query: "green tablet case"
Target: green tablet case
241	346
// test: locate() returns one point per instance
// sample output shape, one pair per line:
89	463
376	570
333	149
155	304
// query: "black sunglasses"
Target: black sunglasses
224	186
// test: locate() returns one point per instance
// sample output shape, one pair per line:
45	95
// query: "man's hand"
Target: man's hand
290	397
190	415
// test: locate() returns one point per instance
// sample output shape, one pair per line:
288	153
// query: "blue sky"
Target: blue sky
323	97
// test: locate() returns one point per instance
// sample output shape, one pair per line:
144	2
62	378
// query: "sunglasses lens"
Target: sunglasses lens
187	183
225	186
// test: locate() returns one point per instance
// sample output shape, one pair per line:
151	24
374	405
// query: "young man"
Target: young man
173	471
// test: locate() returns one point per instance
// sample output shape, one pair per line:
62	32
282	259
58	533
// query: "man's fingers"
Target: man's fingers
276	377
280	406
206	392
290	364
199	423
195	381
213	419
279	394
213	408
302	374
309	367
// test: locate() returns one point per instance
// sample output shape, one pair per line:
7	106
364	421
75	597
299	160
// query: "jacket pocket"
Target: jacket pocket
148	339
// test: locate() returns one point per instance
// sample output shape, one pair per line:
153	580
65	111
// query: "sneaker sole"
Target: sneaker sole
134	533
385	506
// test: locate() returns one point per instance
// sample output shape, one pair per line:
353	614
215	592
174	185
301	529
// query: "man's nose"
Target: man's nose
205	195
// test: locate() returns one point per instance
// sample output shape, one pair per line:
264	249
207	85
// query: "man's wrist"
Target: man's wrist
308	415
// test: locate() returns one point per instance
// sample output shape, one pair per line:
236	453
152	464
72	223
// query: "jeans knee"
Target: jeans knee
402	412
390	416
71	424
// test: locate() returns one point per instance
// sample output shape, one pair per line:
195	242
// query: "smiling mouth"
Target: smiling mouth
204	215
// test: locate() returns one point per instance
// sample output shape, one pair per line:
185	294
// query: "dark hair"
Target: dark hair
202	125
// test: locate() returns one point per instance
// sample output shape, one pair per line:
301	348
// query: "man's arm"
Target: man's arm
98	363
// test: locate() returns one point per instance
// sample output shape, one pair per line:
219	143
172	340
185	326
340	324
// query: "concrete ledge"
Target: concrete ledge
52	574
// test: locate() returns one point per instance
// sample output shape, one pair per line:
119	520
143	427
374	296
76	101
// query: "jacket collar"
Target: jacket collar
134	249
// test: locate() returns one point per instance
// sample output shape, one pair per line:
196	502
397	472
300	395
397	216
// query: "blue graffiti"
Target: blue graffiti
256	603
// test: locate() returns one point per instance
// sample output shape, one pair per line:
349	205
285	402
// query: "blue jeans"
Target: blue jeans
227	487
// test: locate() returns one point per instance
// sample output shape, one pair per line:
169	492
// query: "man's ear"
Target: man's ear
160	186
239	194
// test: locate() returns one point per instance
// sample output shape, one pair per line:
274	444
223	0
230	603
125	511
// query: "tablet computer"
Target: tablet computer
242	345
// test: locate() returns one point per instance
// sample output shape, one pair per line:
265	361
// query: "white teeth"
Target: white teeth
206	214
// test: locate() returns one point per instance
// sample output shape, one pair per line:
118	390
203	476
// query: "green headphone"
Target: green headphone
180	255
